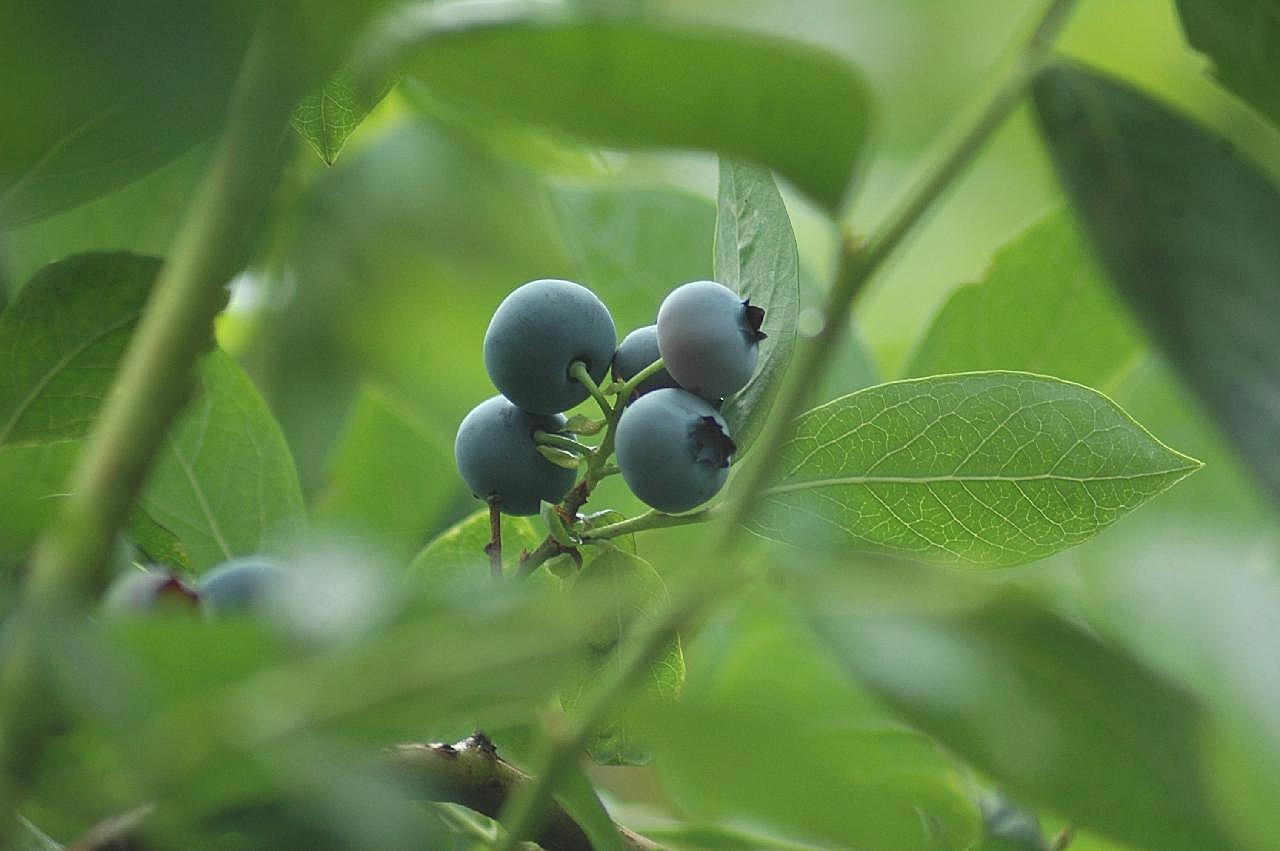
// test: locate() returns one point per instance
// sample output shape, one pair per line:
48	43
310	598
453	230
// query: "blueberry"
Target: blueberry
241	585
709	338
636	351
497	457
537	333
673	449
138	591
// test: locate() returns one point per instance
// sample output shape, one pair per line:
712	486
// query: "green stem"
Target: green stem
559	441
646	521
639	378
155	378
859	263
529	806
856	266
578	372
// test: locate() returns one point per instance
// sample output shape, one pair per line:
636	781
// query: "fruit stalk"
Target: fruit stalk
493	549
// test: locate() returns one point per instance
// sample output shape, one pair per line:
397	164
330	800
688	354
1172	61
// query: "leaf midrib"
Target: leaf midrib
926	480
214	529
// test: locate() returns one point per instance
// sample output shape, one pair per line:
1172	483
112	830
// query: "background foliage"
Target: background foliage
1108	259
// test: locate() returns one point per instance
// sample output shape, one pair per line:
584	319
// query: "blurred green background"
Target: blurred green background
361	319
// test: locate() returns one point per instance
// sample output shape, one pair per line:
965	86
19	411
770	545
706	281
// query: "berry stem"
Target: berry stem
629	387
578	372
559	441
648	520
493	549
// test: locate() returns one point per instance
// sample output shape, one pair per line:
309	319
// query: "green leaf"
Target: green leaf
982	469
1186	229
60	341
1052	713
765	711
224	484
457	554
615	591
326	117
109	92
1242	37
756	256
632	245
391	474
1043	307
140	218
631	82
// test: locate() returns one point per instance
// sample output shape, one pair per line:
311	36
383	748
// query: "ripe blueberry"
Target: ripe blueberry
537	333
497	457
241	585
709	338
140	591
673	449
636	351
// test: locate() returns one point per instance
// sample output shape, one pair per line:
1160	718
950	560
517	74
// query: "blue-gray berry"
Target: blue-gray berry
636	351
498	458
537	333
709	338
673	449
241	585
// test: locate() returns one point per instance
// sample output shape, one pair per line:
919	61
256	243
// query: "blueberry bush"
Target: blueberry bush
640	424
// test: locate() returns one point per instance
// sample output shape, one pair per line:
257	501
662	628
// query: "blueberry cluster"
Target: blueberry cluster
551	344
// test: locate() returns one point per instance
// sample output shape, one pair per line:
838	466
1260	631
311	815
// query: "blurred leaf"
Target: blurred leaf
326	117
756	256
224	484
1046	709
457	554
981	469
1043	307
1242	37
140	218
32	478
1186	229
579	799
770	733
404	248
391	476
110	91
714	838
632	245
614	591
633	82
60	341
31	838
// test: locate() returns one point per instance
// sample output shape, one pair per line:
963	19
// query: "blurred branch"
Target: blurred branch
468	772
118	833
471	773
217	233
